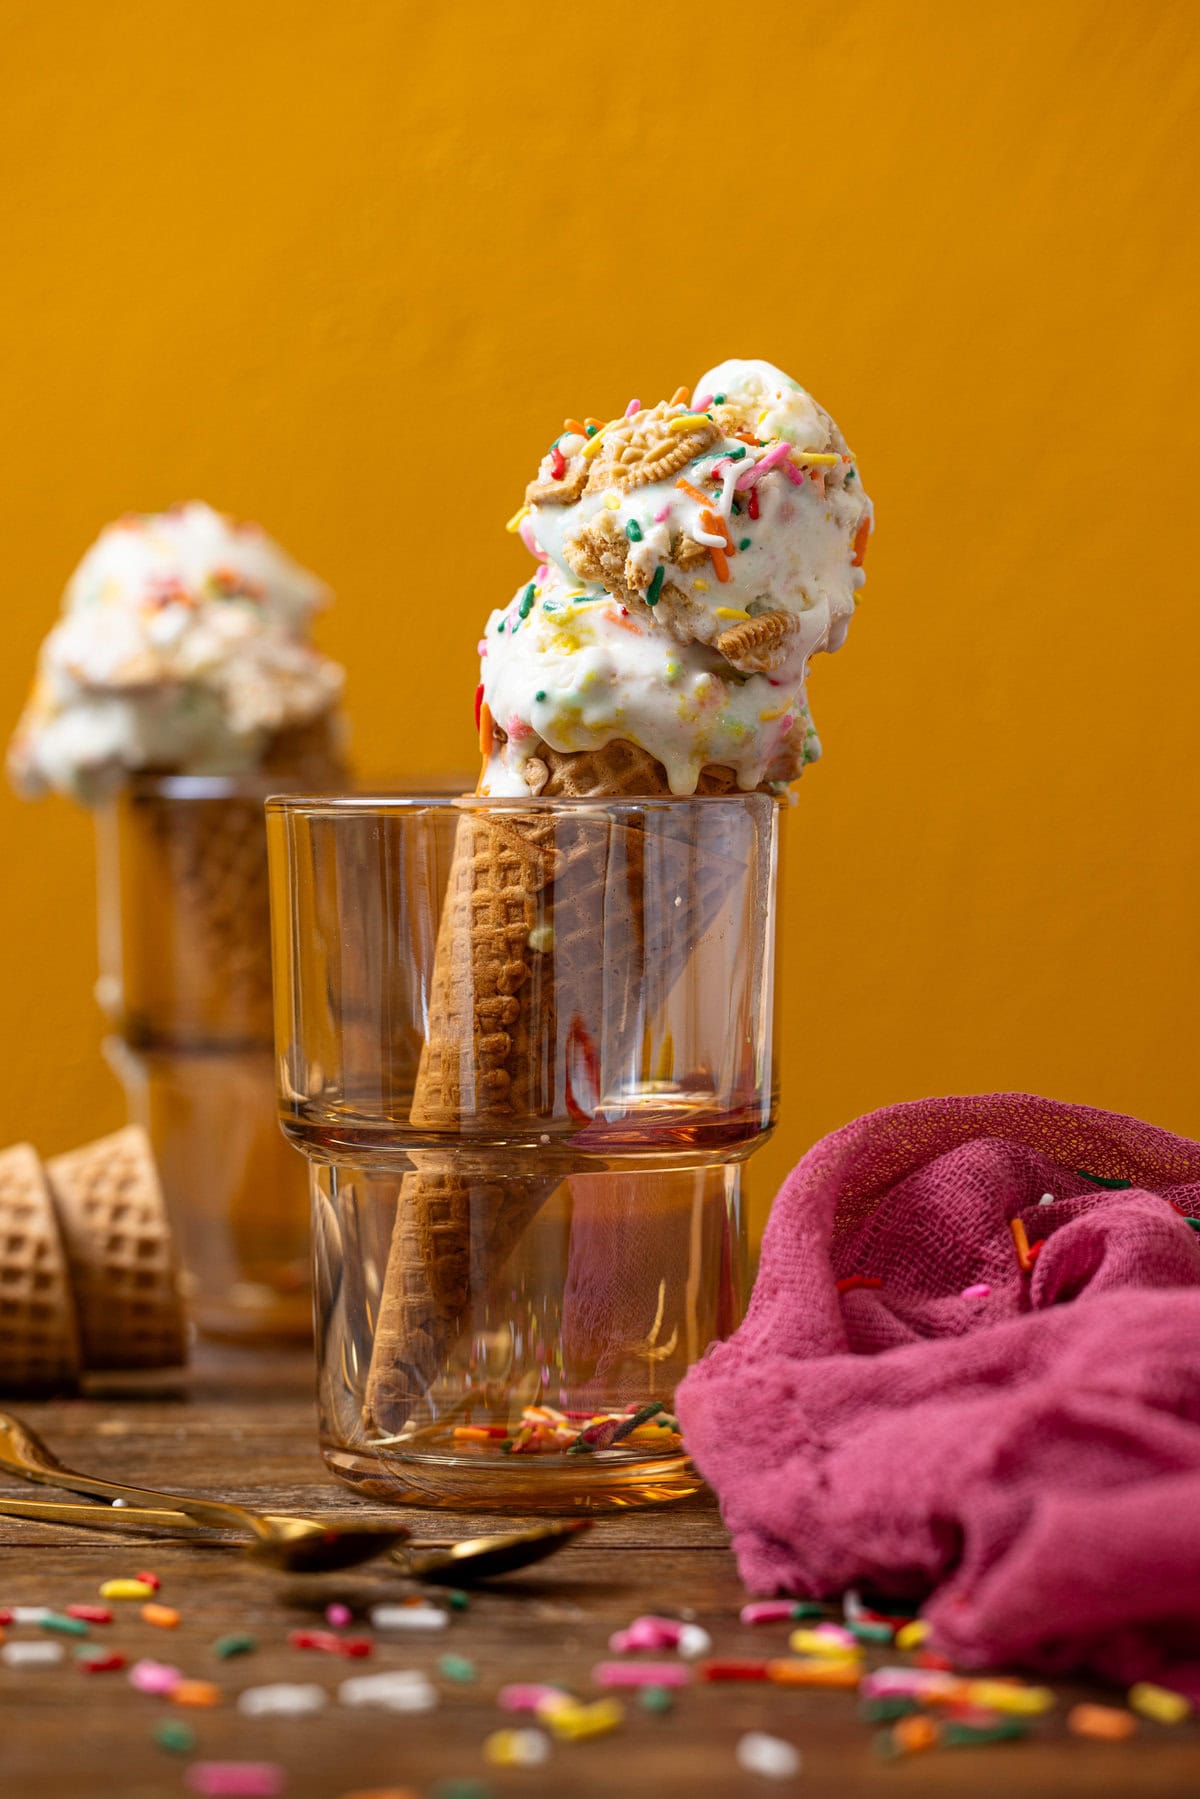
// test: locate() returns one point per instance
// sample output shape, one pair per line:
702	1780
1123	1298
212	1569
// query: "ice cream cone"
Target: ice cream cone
119	1251
519	974
39	1333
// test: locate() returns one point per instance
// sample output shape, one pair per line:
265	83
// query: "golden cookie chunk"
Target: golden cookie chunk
598	552
546	491
686	552
757	645
643	449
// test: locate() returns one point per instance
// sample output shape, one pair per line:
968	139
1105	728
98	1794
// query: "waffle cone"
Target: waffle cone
39	1333
119	1253
500	1008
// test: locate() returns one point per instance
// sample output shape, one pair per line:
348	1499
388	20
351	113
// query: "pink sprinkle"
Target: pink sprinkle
979	1291
641	1674
246	1780
647	1633
525	533
763	466
542	572
794	475
662	512
704	401
633	406
527	1696
767	1611
887	1683
154	1677
338	1615
836	1633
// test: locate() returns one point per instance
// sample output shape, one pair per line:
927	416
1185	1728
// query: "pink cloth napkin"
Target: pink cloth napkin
1030	1458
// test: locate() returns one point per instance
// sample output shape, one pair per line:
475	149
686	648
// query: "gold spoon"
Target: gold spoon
301	1545
444	1564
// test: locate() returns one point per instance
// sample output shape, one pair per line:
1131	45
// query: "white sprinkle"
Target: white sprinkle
284	1700
409	1617
29	1614
693	1642
524	1748
32	1655
771	1757
406	1691
1047	1199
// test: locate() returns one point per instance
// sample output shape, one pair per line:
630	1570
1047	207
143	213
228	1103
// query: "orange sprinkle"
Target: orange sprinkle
1107	1722
744	437
596	422
1022	1244
682	396
486	730
915	1733
574	425
626	623
712	521
800	1671
720	565
693	493
195	1692
860	543
165	1616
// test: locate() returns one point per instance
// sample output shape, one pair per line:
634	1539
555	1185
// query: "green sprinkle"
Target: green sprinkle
867	1632
655	587
1100	1180
1194	1222
886	1711
656	1699
526	606
633	531
460	1789
734	455
965	1736
851	474
224	1647
591	430
506	1447
718	399
580	1448
178	1739
540	694
64	1626
744	543
809	1608
457	1600
737	509
458	1667
500	627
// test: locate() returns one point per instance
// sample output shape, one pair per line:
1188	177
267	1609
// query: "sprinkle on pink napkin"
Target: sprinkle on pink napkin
909	1409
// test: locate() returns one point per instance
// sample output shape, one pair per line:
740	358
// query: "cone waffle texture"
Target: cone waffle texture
531	905
120	1254
39	1337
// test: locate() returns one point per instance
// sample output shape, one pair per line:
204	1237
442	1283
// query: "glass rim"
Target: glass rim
349	804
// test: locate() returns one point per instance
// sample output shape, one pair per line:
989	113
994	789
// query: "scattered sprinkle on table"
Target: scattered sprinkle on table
1159	1703
284	1699
175	1737
576	1723
91	1614
774	1759
1106	1723
529	1696
94	1660
409	1617
155	1678
195	1692
517	1748
641	1674
913	1635
656	1699
165	1617
338	1615
31	1655
459	1668
399	1691
236	1780
65	1626
237	1644
128	1589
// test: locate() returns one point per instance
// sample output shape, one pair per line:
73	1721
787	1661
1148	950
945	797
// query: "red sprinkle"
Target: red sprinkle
753	506
151	1580
929	1658
734	1671
90	1614
478	703
5	1618
332	1645
1035	1250
853	1283
103	1664
558	463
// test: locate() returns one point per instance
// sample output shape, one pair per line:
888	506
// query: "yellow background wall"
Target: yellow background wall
344	269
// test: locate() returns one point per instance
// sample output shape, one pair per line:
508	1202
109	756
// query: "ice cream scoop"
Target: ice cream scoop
691	558
184	648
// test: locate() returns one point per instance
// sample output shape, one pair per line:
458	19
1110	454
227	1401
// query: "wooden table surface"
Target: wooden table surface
241	1425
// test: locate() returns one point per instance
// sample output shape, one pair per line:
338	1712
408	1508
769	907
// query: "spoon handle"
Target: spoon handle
47	1511
26	1455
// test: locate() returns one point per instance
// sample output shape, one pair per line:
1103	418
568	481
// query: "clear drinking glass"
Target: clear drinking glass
527	1048
185	978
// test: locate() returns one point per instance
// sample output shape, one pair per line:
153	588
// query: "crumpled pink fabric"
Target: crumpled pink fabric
1027	1463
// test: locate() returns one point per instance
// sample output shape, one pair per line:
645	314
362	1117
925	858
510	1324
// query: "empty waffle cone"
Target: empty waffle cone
520	978
39	1333
119	1253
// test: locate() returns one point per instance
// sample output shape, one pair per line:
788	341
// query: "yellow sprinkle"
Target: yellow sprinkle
592	446
729	612
762	415
612	501
687	421
812	1642
816	458
1003	1696
517	519
573	1723
911	1636
764	718
700	585
127	1589
1159	1703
